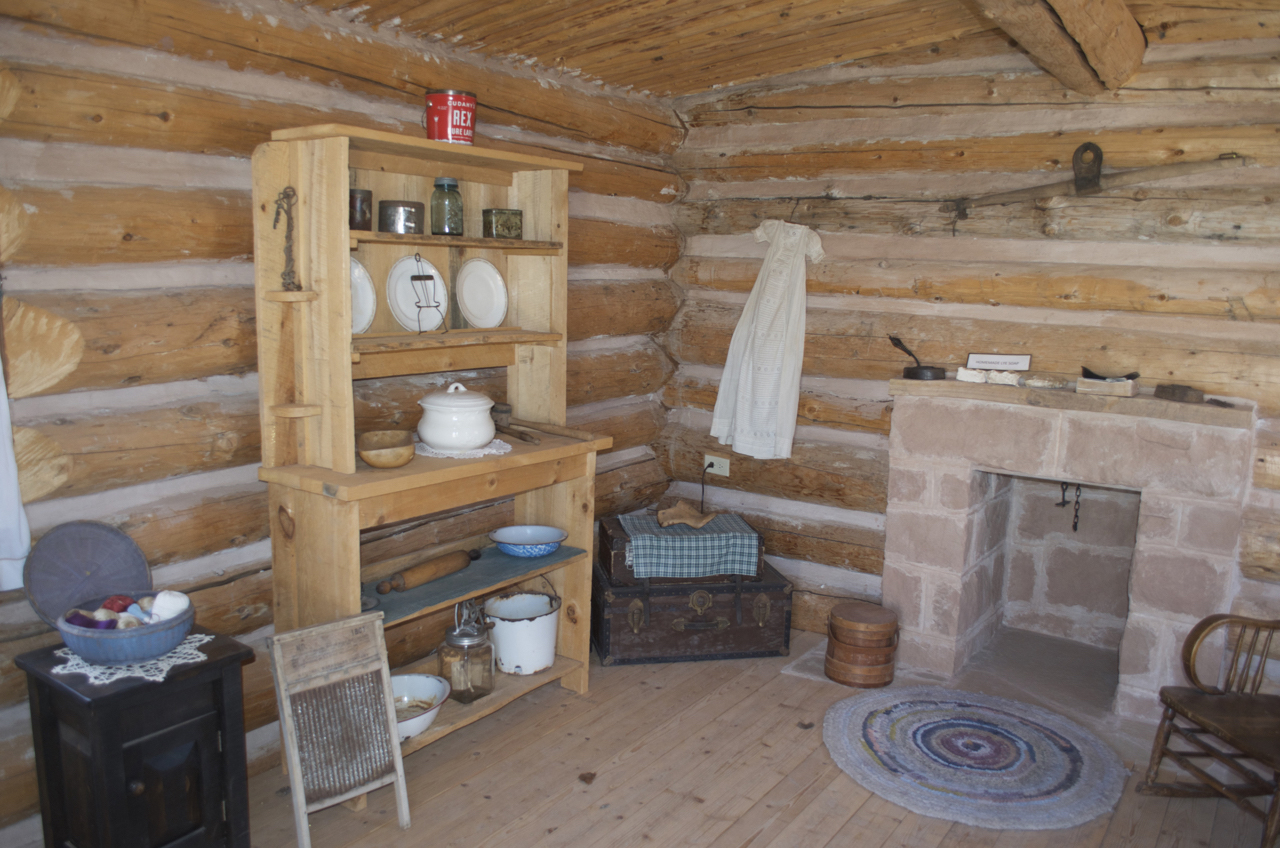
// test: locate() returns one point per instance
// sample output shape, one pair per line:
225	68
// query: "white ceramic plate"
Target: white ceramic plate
481	293
364	300
417	305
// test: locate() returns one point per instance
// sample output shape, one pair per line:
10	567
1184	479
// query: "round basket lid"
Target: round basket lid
79	561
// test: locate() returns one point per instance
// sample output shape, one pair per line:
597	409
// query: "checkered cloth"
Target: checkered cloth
726	545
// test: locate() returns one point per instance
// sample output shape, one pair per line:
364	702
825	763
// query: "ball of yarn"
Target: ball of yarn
104	614
168	604
117	603
145	603
80	618
127	621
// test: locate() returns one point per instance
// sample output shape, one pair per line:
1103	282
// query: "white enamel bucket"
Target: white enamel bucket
524	631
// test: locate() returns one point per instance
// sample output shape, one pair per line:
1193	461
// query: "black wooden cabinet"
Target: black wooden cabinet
134	764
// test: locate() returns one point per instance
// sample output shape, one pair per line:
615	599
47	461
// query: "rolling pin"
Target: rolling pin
427	571
502	415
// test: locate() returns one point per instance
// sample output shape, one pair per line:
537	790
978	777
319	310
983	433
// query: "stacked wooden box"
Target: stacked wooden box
861	641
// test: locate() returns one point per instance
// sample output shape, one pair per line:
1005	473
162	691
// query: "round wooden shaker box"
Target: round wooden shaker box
862	640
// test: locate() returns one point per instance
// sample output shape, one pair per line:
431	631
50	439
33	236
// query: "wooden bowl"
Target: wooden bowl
385	448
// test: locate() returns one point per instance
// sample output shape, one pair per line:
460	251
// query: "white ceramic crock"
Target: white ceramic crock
456	419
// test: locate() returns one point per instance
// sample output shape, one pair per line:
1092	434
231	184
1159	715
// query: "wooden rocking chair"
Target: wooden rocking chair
1243	723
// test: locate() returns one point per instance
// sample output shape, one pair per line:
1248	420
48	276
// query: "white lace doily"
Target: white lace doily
495	448
153	669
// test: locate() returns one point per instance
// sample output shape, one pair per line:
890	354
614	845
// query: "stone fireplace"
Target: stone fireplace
956	450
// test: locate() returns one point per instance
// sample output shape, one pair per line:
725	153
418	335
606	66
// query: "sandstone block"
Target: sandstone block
1021	582
943	606
903	592
1091	579
1140	704
908	486
1178	582
1171	455
931	539
1209	527
917	651
1005	437
1158	518
988	528
1138	648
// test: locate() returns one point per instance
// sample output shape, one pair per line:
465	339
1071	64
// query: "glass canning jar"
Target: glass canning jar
446	208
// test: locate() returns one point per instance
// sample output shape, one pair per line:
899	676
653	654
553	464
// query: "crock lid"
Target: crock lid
79	561
456	397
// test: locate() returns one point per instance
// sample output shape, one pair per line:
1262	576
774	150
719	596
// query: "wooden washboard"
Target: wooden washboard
337	715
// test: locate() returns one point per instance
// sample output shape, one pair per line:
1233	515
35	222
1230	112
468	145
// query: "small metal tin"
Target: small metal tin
361	215
402	216
502	223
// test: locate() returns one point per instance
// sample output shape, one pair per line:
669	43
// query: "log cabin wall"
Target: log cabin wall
126	243
1176	279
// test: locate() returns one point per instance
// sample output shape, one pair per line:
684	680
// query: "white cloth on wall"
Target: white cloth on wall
15	534
760	389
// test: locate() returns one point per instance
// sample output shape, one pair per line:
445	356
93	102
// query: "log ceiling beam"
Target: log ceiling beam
1088	45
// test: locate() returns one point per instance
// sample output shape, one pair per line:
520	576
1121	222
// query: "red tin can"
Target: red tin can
450	116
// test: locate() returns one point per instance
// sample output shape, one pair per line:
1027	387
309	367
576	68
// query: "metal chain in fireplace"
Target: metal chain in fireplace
1075	519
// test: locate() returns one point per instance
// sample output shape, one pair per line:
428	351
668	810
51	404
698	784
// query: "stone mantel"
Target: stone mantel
1142	406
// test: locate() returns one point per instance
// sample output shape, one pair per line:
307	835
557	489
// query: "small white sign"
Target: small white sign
1000	361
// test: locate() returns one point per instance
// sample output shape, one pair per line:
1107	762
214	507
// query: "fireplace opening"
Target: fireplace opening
1059	555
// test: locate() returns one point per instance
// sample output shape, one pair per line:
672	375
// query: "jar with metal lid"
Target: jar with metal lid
466	656
446	208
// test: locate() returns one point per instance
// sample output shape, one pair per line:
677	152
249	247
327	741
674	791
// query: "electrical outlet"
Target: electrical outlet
719	464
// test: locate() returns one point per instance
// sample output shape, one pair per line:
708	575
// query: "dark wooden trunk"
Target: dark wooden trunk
613	559
714	619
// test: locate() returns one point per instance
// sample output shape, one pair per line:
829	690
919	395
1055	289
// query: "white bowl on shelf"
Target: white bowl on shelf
428	689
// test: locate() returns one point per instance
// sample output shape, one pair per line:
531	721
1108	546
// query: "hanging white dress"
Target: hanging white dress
760	389
15	536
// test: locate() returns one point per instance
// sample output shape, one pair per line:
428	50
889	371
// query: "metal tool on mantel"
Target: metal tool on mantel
918	371
522	429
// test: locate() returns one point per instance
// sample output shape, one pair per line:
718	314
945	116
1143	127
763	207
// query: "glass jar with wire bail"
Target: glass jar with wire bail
446	208
466	656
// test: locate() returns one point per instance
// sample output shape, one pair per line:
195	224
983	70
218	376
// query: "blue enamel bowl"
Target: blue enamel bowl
117	647
528	540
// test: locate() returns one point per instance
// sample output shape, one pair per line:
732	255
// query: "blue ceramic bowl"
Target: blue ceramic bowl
528	540
116	647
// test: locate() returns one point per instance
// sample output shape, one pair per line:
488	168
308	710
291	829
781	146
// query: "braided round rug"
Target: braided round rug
975	759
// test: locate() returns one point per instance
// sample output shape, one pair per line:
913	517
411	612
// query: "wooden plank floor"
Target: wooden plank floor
720	754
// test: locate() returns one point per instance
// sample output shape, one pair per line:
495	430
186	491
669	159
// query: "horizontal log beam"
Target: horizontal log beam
68	105
594	242
68	340
629	425
126	338
824	542
1193	292
347	58
619	308
630	487
817	472
1045	151
88	225
96	451
1183	216
817	408
1260	545
1227	80
854	344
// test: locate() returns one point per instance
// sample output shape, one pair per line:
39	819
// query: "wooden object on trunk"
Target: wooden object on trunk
426	572
684	512
337	716
611	558
1235	725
